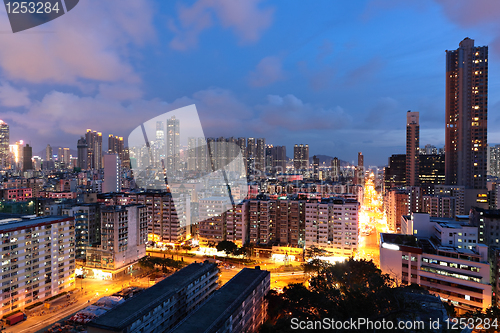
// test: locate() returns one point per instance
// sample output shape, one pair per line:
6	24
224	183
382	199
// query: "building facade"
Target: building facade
466	115
38	260
412	148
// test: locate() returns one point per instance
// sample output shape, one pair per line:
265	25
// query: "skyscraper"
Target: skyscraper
494	161
4	145
48	153
173	144
335	170
466	115
82	153
251	152
202	155
301	157
278	159
191	165
360	170
260	154
27	155
112	173
116	146
412	148
94	143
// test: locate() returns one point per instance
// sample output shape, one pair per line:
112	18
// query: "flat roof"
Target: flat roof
215	311
24	223
135	307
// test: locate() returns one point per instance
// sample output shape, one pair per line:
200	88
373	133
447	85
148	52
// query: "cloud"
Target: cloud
12	97
292	114
475	14
267	71
120	92
384	107
245	18
61	116
90	42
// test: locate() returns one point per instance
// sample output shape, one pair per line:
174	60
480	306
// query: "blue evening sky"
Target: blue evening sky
337	75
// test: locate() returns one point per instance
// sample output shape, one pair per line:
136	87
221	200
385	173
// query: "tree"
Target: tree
489	318
352	289
227	246
186	247
313	252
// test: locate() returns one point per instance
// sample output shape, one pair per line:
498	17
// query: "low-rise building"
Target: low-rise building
160	307
430	256
239	306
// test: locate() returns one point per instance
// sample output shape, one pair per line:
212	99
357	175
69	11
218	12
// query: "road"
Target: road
92	291
95	289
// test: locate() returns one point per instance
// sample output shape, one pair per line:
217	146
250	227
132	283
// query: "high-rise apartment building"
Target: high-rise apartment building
202	161
396	204
301	157
27	155
16	155
359	175
276	159
173	145
332	224
116	146
191	163
87	226
335	169
112	174
466	115
494	161
82	153
212	225
315	167
94	150
260	155
48	153
4	145
165	223
124	233
38	260
412	148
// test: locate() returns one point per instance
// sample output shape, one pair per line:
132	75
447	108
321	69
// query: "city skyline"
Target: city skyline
313	76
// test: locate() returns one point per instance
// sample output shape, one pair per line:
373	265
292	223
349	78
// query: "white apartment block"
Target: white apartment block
439	206
212	217
442	256
237	222
123	241
453	191
167	220
332	224
38	260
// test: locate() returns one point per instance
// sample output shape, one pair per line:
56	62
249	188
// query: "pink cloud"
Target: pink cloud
245	18
12	97
267	71
86	43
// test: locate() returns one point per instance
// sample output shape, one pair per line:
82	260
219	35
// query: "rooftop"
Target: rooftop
217	309
134	308
19	223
